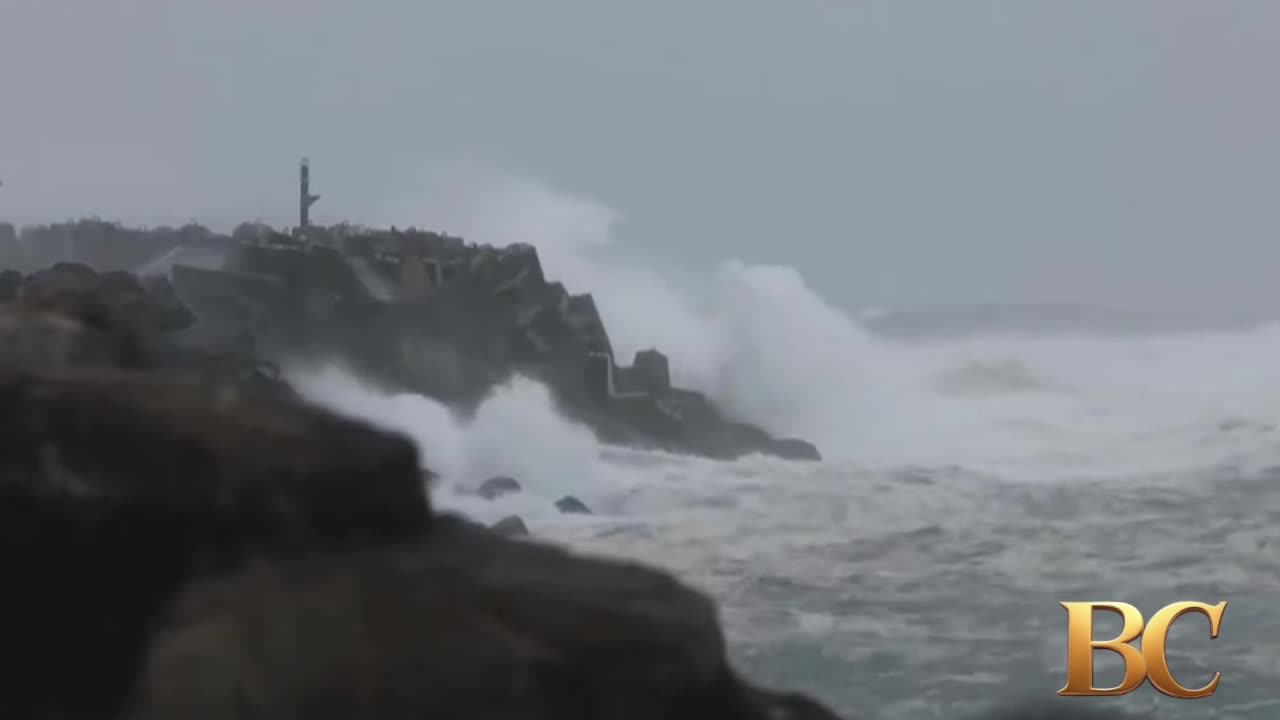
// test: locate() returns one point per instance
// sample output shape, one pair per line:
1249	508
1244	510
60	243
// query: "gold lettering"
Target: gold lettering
1149	663
1155	639
1080	647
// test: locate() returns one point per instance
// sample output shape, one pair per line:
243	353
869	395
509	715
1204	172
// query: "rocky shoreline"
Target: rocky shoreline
180	546
185	537
186	544
412	310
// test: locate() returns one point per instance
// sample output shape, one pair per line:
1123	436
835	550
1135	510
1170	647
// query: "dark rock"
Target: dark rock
120	282
792	449
164	311
498	486
115	299
151	305
413	310
116	486
69	316
572	506
465	624
120	433
67	328
57	278
511	525
10	283
182	549
791	706
425	312
652	371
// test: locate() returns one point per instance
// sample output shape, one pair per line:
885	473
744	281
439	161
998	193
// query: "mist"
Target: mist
895	153
738	183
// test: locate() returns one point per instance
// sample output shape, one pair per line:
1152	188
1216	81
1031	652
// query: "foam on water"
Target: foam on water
917	571
916	589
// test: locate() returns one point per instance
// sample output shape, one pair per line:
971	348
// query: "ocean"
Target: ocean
917	572
971	482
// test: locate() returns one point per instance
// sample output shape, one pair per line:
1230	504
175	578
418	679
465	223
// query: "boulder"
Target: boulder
464	624
68	328
496	487
150	303
571	505
511	525
117	303
793	449
118	486
57	278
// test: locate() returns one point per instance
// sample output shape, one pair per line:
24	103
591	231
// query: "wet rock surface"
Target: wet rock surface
793	449
571	505
496	487
416	310
179	548
511	526
70	315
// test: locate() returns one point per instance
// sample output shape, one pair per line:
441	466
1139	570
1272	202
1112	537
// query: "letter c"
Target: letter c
1155	641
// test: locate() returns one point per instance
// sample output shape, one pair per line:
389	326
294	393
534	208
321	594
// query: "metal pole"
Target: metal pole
305	198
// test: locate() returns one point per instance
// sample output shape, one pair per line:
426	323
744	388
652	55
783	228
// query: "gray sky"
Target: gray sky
896	151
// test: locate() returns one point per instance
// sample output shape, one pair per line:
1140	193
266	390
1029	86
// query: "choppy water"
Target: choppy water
900	589
922	593
971	483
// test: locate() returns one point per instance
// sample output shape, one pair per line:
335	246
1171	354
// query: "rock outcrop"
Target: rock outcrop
511	526
69	314
496	487
571	505
416	310
180	548
186	545
435	314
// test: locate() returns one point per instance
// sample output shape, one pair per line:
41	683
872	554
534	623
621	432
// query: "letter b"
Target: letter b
1149	663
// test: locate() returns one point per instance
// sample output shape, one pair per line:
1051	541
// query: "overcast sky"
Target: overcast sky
896	151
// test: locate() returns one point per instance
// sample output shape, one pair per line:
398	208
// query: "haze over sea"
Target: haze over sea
981	464
972	480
